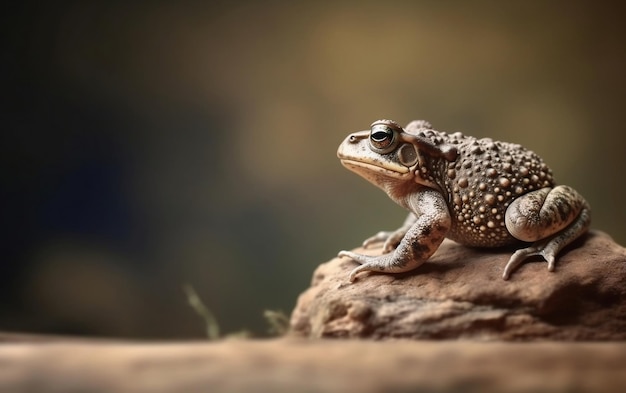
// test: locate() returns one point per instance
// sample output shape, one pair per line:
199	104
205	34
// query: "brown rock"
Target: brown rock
459	293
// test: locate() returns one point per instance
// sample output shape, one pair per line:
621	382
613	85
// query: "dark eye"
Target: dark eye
382	138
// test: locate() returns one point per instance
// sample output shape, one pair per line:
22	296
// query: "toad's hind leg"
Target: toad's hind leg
551	218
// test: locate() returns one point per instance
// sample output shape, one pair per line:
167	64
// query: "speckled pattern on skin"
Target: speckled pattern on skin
493	193
480	185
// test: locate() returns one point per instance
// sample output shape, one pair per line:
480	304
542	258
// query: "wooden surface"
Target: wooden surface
290	365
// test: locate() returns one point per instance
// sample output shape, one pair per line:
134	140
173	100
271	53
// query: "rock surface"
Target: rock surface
459	293
312	366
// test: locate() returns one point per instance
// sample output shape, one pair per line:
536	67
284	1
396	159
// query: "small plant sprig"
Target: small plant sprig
278	321
212	327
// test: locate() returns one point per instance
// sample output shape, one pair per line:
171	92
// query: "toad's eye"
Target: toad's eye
382	138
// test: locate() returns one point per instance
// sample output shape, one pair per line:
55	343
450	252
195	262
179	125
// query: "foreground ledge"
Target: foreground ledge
294	365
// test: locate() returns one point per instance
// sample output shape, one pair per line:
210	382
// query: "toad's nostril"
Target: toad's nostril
352	139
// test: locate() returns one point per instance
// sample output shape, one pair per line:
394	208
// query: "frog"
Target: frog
475	192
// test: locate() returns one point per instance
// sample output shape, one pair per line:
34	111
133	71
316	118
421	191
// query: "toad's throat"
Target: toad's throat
386	168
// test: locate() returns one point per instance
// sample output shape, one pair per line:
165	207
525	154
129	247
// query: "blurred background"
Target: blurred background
149	145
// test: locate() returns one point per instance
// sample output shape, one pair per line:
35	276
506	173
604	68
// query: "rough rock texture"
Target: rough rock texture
459	293
312	366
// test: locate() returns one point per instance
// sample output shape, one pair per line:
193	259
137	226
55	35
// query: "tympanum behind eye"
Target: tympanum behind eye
407	154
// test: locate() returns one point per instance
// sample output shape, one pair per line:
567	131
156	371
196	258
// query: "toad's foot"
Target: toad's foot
383	263
391	239
539	248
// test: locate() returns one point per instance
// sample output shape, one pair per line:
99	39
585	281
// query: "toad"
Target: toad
476	192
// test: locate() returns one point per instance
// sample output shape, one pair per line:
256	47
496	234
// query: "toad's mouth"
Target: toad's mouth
387	169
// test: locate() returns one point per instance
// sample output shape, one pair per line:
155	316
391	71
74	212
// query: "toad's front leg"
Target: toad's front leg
420	242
